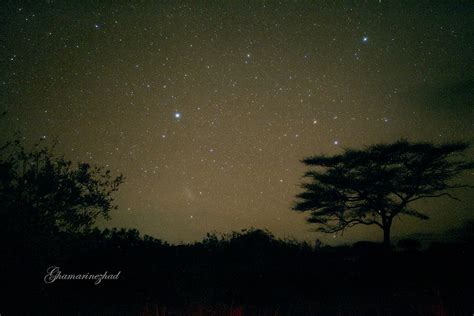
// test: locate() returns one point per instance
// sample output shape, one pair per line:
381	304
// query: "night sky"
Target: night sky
207	107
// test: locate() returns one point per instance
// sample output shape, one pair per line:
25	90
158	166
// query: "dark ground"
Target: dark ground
247	273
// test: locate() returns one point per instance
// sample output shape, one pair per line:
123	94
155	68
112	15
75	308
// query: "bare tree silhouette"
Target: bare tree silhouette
374	185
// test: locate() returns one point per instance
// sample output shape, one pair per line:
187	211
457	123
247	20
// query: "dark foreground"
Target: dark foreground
249	273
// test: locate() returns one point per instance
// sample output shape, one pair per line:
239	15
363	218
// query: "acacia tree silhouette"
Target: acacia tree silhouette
374	185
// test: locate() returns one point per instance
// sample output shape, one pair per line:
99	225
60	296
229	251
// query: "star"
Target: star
242	110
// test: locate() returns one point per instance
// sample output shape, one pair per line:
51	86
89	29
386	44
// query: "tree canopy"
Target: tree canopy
372	186
43	193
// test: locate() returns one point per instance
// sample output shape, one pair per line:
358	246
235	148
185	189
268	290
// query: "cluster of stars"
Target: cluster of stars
208	112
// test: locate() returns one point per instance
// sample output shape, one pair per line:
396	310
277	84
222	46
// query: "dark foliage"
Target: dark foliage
374	185
249	270
242	273
40	193
409	244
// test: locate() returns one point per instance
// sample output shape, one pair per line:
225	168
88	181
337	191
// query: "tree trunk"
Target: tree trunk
386	234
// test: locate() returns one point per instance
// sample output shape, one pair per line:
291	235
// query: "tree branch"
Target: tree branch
433	196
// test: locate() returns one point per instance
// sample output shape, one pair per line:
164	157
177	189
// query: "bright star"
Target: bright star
336	142
365	39
177	115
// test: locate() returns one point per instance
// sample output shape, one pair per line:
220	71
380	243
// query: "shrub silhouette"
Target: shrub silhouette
409	244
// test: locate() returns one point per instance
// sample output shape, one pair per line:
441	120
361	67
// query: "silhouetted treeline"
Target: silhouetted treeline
248	268
48	207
